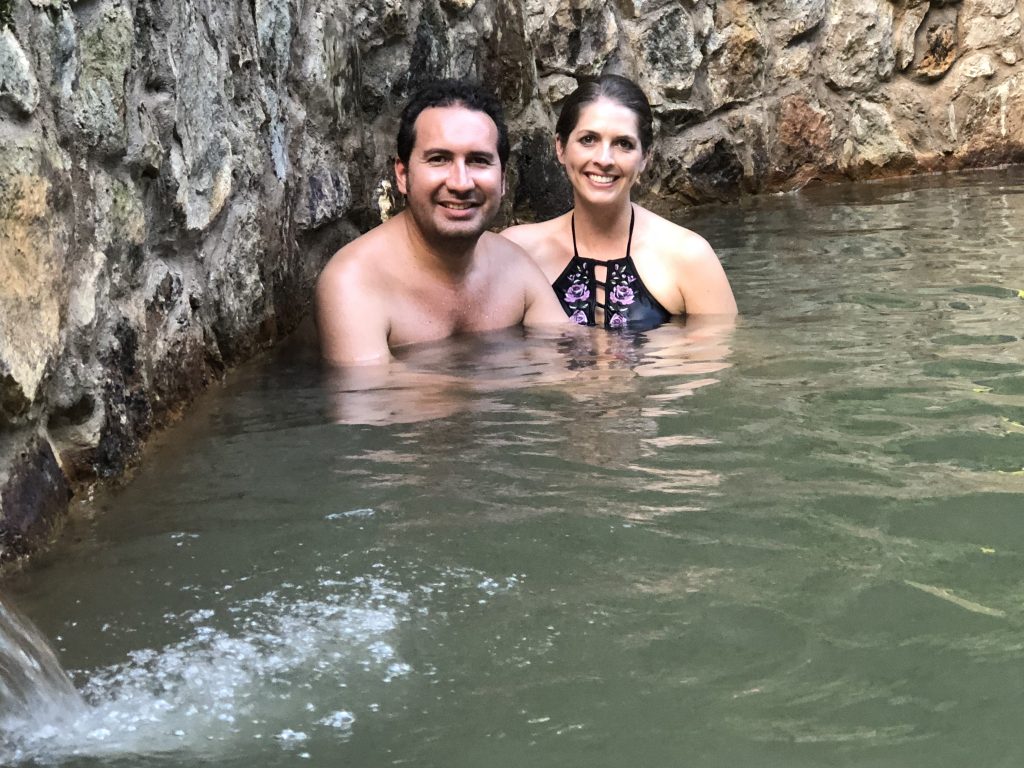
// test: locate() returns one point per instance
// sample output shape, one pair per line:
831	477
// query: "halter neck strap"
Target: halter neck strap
629	241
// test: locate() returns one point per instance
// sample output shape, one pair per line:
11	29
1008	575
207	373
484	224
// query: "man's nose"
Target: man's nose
459	179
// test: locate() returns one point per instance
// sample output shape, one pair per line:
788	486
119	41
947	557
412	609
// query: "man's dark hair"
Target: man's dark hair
450	93
617	88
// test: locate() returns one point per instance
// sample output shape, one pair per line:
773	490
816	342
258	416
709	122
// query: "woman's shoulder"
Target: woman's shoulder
675	242
534	235
692	264
548	243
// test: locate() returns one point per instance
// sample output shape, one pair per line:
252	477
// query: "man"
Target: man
433	270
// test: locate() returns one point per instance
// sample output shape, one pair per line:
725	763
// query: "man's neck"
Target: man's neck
450	259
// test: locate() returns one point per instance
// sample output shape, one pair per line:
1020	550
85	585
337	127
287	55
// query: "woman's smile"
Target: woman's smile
603	152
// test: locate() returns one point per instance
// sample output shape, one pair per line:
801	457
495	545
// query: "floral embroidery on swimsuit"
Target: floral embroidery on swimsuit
576	299
628	304
620	294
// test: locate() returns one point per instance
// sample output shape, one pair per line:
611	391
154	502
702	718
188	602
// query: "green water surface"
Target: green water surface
799	542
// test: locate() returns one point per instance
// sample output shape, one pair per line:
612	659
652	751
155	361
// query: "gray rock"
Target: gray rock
97	99
326	196
874	141
669	53
985	31
793	21
907	26
542	188
735	65
859	50
18	84
579	39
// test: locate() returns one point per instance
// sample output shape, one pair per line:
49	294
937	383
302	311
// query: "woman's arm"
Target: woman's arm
702	281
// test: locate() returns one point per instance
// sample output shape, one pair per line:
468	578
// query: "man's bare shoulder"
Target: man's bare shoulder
351	320
358	265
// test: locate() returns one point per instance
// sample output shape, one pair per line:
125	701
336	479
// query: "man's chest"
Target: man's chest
427	314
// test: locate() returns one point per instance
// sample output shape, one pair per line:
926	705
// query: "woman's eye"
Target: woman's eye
626	144
586	140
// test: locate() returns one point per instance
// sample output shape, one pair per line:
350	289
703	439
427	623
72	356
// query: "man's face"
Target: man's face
454	181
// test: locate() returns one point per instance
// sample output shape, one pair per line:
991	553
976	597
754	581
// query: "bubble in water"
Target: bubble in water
340	719
289	735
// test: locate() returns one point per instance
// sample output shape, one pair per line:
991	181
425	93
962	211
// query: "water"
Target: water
794	543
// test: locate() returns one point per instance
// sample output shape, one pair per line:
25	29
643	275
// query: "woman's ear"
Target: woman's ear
559	150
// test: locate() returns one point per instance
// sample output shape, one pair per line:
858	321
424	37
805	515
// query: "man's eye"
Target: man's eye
482	161
436	159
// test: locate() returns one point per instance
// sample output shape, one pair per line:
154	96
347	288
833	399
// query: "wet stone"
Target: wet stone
34	493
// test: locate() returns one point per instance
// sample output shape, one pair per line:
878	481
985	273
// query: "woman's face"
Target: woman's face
602	156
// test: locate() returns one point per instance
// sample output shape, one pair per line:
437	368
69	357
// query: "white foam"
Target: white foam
245	671
228	678
358	514
341	719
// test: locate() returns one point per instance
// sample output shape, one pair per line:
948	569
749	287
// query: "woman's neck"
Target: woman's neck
601	233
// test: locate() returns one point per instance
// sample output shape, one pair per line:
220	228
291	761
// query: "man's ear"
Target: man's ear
401	176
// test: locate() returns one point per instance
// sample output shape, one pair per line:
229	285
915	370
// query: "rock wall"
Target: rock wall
173	173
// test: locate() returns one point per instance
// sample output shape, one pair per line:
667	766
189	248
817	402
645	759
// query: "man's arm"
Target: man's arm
350	317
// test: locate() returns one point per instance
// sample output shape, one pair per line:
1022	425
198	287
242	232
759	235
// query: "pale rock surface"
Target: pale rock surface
18	83
858	49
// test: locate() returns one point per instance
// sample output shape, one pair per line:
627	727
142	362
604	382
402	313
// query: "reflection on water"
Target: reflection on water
433	381
795	542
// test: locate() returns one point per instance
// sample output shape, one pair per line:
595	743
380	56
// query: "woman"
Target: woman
610	261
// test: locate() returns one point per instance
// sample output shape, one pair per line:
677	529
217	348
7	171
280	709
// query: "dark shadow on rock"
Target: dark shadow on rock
542	191
34	494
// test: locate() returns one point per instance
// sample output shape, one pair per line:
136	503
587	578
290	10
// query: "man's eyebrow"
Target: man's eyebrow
445	152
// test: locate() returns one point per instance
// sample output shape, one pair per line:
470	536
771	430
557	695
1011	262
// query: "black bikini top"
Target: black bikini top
628	303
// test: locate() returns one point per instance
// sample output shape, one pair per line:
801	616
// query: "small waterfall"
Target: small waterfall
35	692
